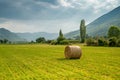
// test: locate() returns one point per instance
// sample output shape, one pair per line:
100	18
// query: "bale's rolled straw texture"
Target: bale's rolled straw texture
73	52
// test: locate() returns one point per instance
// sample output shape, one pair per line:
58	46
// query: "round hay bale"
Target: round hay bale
73	52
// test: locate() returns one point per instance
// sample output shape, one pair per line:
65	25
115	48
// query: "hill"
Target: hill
33	36
72	34
6	34
101	25
11	36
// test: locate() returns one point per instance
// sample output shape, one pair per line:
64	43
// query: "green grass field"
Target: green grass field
36	62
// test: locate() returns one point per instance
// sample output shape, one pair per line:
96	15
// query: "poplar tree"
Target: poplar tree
61	37
82	31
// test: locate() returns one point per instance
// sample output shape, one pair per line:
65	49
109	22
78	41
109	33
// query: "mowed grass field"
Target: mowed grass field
47	62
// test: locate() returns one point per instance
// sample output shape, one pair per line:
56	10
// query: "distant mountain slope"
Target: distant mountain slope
6	34
72	34
33	36
101	25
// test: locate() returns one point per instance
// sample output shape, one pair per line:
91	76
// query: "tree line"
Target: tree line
111	39
62	40
4	41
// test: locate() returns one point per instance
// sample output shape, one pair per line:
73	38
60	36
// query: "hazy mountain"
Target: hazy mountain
101	25
72	34
6	34
33	36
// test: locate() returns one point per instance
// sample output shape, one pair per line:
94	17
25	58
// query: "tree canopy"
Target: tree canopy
60	37
114	32
40	40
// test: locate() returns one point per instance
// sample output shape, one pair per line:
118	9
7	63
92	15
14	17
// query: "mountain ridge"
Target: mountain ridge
33	36
6	34
100	26
11	36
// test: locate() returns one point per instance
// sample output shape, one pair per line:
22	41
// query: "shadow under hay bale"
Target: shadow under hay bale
65	59
73	52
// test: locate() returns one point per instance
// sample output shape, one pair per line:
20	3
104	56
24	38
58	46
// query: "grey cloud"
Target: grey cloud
51	14
54	2
14	9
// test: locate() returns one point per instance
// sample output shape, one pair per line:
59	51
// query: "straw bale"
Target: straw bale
73	52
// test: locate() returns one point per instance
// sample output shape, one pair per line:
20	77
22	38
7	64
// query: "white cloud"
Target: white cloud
16	26
46	4
50	17
113	3
97	5
52	26
65	3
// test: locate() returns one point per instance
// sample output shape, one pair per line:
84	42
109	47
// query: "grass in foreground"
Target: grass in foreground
35	62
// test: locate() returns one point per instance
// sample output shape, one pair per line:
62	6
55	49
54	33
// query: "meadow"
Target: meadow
47	62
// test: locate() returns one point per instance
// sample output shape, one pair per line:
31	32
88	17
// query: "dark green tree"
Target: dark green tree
114	32
40	40
113	41
60	33
60	37
5	41
118	42
91	42
102	41
1	41
32	41
82	31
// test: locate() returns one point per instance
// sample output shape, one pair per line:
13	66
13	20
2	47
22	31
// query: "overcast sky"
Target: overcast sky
51	15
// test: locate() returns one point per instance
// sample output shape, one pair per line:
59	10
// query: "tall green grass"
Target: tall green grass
36	62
